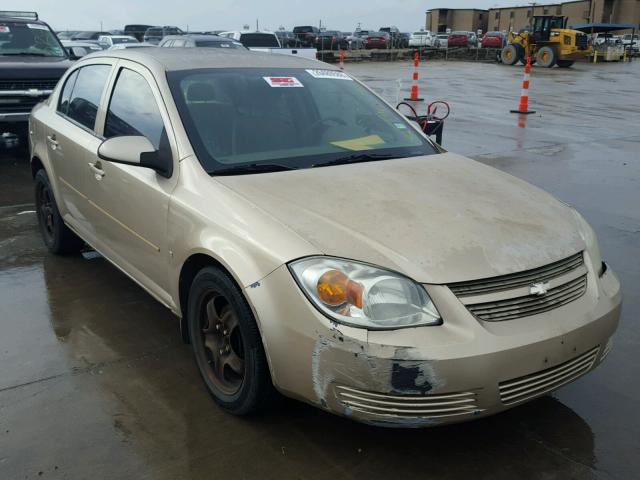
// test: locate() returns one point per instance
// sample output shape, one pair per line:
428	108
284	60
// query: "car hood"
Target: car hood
438	218
29	68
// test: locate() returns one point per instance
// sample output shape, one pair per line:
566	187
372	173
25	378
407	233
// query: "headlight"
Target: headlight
362	295
591	241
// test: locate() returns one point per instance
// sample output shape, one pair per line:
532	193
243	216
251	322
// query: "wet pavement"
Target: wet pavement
95	383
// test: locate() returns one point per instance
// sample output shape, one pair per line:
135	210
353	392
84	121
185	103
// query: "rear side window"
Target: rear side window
133	109
86	94
65	96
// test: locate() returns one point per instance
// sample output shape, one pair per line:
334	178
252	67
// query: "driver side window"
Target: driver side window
133	109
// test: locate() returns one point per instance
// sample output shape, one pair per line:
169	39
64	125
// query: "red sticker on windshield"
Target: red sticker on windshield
279	82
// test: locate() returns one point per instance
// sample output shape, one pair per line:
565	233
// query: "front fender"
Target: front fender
206	217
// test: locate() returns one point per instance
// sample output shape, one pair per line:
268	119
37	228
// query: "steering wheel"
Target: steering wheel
320	121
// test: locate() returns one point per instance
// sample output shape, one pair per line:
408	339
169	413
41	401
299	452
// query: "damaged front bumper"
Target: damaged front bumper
414	377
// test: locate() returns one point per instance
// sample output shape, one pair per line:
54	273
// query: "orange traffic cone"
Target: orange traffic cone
415	96
523	108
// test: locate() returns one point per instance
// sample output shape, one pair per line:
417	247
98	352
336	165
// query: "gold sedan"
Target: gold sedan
314	242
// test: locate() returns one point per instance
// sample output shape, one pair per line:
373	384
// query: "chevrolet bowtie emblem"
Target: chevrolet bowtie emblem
539	289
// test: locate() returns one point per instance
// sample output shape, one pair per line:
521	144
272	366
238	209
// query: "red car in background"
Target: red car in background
377	40
493	40
458	39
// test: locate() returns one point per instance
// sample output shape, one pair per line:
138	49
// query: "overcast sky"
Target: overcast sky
229	14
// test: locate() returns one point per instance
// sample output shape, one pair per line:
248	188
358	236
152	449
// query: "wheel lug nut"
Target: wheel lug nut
225	332
228	348
217	326
221	351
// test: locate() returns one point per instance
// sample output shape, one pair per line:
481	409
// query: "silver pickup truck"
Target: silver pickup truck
265	41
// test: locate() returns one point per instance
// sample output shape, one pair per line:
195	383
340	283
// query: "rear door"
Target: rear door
131	202
71	140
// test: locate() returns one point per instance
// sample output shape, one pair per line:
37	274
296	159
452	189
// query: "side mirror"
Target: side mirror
136	151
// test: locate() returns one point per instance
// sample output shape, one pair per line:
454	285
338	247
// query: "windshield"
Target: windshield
294	118
218	44
20	38
259	40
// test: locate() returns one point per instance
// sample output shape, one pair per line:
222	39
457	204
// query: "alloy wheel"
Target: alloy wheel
223	346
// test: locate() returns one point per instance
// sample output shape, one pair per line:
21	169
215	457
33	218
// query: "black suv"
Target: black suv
32	60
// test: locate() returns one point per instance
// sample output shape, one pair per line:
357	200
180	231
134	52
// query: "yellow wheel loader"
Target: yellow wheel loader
549	42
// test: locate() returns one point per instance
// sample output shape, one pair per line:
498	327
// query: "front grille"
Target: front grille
581	40
512	308
18	84
520	279
432	406
536	384
18	104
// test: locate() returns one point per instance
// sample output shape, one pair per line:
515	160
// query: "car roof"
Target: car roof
175	59
9	18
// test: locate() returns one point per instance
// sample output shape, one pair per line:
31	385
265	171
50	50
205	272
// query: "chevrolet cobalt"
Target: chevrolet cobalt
314	242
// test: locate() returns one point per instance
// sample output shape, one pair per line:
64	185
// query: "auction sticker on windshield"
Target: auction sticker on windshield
279	82
4	29
37	26
331	74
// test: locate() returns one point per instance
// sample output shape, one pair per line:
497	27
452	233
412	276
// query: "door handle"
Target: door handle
52	141
97	171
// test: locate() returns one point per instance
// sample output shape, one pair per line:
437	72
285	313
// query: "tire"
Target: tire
58	238
227	344
510	54
546	57
565	63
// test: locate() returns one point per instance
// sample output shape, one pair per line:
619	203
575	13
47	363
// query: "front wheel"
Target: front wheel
565	63
227	344
510	54
58	238
546	57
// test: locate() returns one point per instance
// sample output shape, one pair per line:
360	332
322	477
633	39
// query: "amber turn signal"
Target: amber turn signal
334	289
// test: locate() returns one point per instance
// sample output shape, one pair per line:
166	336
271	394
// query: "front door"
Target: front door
130	203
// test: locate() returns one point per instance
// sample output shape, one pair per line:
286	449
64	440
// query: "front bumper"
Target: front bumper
415	377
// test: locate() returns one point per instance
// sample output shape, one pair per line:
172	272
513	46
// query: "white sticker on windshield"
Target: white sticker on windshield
279	82
37	26
4	29
400	125
332	74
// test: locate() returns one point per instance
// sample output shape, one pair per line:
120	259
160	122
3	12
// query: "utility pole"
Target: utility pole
533	6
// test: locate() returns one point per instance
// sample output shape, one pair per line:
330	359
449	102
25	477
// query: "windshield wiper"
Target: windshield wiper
357	158
252	168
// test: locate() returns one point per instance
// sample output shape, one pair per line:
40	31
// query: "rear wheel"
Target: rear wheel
227	344
546	57
510	54
565	63
58	238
